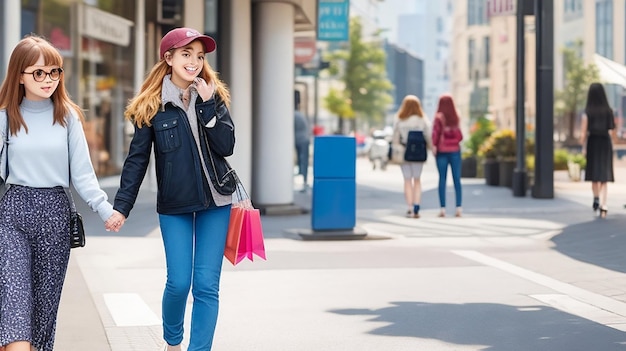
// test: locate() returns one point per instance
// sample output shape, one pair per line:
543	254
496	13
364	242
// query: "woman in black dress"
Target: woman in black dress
597	127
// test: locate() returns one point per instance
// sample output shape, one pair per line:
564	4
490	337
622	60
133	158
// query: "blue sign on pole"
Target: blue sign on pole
333	20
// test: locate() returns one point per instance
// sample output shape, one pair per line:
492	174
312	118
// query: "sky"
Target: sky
389	11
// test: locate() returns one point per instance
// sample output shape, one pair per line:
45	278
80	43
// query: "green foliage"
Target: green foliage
479	132
361	67
579	159
561	156
337	103
500	145
578	77
530	162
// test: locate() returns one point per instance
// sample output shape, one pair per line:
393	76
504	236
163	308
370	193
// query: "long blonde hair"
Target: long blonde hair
411	105
12	92
143	107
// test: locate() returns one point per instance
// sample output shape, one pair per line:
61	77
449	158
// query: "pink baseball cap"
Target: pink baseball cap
180	37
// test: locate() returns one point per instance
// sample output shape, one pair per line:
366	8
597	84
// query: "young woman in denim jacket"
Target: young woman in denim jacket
446	140
181	110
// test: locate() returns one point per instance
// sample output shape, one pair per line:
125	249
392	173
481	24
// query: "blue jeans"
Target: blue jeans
302	151
194	247
454	160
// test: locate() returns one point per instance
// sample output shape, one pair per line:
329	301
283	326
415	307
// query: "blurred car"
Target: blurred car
378	152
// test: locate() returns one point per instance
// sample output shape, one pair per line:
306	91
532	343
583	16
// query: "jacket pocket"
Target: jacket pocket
167	134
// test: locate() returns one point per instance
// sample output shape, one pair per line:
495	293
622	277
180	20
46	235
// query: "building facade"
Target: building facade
108	47
484	59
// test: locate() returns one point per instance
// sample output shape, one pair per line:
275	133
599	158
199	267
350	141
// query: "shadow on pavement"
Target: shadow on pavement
499	327
599	242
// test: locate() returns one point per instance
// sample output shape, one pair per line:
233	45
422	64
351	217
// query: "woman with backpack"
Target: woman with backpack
411	117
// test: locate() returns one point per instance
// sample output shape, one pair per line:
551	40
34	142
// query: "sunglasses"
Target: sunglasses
39	75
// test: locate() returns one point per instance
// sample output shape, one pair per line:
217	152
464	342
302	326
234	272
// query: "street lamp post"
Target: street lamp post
544	139
519	174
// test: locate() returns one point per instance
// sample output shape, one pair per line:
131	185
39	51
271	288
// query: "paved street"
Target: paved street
511	274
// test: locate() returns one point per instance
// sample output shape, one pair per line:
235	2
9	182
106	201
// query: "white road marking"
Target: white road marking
129	310
587	300
570	305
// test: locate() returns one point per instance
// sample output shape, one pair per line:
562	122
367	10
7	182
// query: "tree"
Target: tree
578	77
361	68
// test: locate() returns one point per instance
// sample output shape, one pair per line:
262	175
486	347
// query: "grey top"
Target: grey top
40	157
302	132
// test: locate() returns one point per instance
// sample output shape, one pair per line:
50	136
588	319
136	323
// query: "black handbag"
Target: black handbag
77	230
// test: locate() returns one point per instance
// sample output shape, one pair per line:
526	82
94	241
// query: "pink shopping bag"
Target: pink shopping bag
251	242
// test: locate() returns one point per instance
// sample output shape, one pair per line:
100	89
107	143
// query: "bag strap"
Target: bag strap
5	148
68	190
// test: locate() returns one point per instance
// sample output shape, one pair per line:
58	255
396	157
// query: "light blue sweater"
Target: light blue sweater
39	158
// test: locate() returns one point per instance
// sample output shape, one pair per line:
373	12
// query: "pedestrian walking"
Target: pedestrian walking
411	117
447	137
182	110
302	138
44	146
597	127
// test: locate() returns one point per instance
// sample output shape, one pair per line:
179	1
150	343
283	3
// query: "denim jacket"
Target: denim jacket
182	185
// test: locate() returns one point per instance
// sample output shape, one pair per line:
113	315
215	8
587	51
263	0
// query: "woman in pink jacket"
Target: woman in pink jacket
446	140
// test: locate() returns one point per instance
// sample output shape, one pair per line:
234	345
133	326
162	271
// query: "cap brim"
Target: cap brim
207	41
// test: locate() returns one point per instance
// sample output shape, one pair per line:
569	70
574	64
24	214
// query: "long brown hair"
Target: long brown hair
446	108
411	105
143	107
12	92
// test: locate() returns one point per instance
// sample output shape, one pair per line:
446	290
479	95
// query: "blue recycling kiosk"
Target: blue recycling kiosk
333	209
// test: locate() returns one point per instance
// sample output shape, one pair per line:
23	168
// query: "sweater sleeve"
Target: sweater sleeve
83	176
436	131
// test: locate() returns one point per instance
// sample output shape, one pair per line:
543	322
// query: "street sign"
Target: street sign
333	20
304	50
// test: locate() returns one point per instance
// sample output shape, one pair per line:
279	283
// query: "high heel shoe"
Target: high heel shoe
596	205
603	212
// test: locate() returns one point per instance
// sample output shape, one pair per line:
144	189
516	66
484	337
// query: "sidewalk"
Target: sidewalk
490	213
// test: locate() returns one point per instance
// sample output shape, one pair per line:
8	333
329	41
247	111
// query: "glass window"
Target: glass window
604	28
471	47
572	9
98	73
476	12
487	53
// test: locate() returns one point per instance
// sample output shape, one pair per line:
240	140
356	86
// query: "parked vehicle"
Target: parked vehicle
379	150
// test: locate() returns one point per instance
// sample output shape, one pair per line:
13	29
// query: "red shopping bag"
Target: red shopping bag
233	238
245	232
252	235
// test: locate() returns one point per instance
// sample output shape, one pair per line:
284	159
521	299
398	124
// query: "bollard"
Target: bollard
333	209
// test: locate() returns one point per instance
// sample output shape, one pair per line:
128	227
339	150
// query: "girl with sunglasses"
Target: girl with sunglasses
44	144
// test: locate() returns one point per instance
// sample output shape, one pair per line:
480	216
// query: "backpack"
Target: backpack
415	147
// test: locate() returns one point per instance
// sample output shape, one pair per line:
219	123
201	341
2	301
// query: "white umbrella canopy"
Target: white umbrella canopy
610	71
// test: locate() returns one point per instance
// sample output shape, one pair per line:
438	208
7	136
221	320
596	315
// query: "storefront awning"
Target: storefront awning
610	71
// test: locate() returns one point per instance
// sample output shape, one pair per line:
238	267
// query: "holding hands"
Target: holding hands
115	222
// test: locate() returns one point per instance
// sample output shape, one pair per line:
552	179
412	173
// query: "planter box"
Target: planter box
469	167
506	173
492	172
